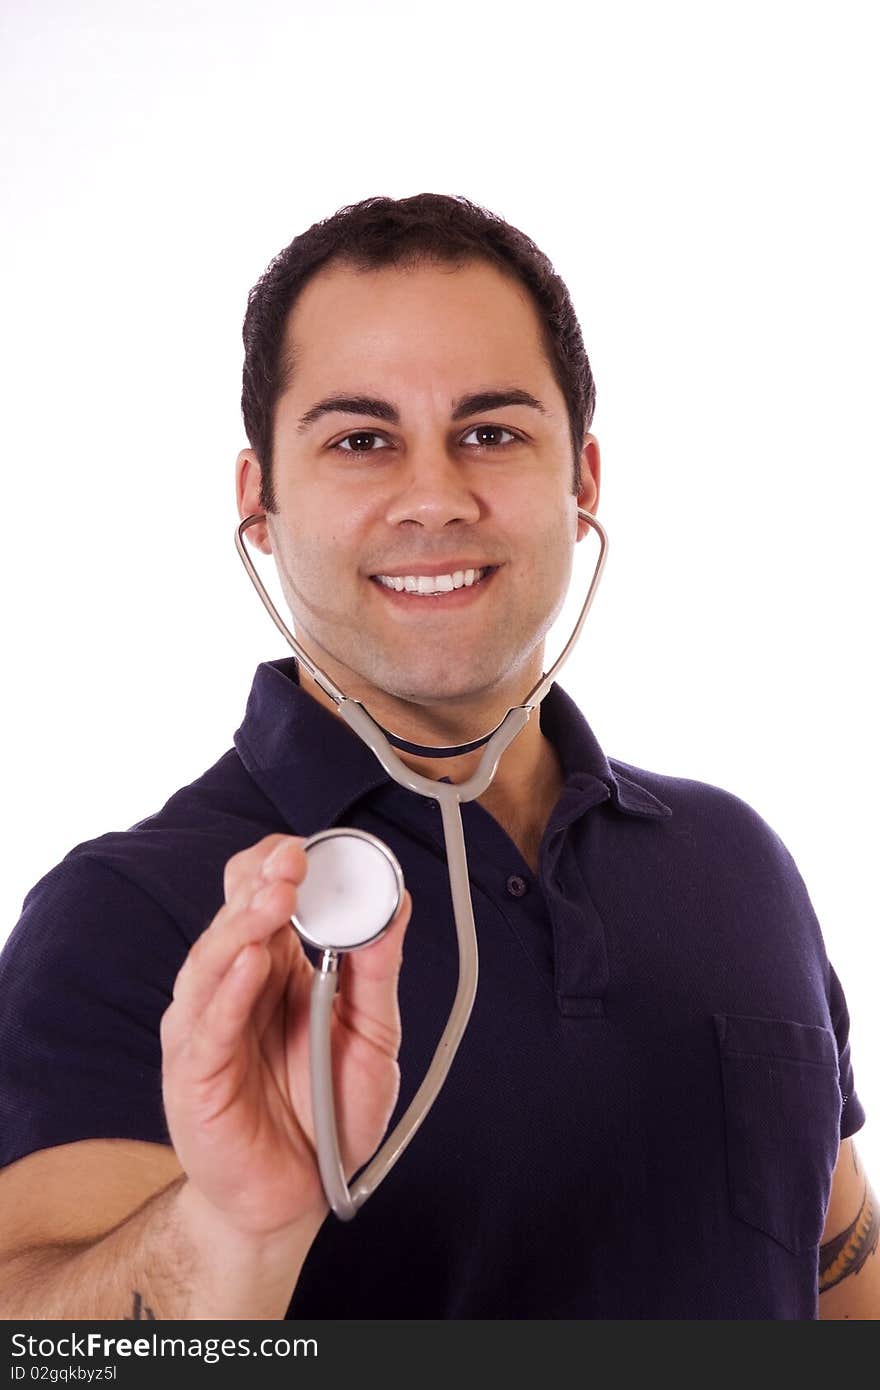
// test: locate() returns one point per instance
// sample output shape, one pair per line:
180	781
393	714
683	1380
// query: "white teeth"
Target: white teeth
431	584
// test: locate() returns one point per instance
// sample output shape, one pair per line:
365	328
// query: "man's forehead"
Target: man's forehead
345	309
340	348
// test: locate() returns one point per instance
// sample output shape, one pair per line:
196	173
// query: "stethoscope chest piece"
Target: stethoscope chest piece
352	891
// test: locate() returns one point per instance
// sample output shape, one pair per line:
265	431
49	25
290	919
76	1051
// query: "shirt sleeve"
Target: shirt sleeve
853	1115
85	977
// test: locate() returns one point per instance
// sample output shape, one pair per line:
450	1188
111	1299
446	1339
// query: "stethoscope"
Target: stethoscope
354	889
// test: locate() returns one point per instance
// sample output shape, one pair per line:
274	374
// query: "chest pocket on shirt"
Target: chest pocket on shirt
782	1106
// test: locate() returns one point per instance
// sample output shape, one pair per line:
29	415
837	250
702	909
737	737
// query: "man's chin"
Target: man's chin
440	686
448	691
441	693
429	680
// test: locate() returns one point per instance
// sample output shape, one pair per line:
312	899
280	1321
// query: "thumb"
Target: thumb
367	999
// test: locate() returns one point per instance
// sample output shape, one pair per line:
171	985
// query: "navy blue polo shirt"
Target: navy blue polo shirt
645	1111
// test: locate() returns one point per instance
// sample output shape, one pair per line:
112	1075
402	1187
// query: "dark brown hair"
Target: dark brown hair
381	232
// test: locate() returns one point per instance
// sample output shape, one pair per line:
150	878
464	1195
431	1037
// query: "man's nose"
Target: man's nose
433	489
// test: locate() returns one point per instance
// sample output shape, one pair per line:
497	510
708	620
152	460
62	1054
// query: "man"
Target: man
651	1114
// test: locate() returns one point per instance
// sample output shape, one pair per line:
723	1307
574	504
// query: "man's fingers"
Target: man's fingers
287	958
218	1033
223	984
263	902
269	854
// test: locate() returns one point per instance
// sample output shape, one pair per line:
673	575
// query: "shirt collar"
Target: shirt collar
583	761
314	768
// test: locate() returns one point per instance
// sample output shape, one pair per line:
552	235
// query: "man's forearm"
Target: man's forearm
172	1258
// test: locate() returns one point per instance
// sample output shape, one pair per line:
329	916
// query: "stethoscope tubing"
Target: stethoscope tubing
343	1200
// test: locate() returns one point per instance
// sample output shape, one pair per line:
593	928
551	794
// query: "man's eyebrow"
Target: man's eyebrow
474	404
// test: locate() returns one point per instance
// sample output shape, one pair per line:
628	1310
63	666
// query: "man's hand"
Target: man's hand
235	1049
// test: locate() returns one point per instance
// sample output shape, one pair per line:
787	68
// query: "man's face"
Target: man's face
428	494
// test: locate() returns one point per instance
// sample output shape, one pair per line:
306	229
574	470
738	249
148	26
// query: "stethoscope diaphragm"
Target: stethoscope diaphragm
352	891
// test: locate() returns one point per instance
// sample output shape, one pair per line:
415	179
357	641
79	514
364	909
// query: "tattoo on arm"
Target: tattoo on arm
141	1310
846	1253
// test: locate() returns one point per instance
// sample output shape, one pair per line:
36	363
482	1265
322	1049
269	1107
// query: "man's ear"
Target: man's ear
248	478
591	469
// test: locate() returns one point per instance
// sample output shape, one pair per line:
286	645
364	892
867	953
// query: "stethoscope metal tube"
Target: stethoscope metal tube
342	1200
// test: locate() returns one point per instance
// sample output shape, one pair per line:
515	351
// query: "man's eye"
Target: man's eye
490	429
361	435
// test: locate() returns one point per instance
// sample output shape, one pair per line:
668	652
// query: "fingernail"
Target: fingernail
276	854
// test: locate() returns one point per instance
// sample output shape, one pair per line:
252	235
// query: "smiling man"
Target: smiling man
651	1112
426	553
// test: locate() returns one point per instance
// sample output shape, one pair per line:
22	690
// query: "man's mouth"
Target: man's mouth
433	584
451	587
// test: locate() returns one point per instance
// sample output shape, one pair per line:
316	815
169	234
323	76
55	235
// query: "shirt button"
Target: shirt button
517	886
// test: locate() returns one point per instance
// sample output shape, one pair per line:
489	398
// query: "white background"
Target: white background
704	179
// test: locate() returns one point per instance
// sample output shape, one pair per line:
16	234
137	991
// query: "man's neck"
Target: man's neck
526	785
